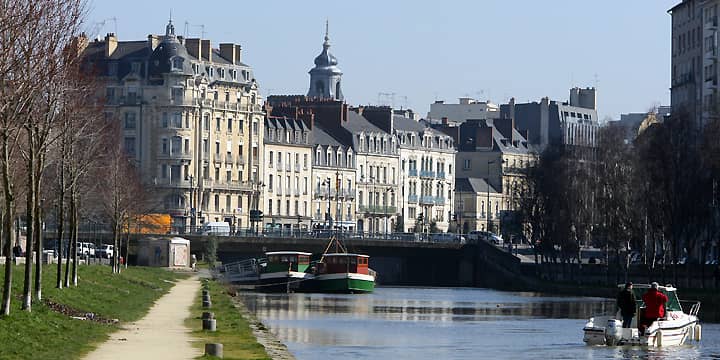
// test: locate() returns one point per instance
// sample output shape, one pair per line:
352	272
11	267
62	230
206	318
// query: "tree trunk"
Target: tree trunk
29	232
61	217
75	220
38	227
70	250
7	226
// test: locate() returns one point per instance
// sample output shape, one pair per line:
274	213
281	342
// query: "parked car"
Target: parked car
447	237
85	249
215	228
477	235
105	251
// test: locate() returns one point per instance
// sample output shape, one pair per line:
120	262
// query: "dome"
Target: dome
325	58
170	55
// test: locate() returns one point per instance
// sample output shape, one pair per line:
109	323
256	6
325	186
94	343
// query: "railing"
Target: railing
377	209
412	198
428	200
440	175
229	159
287	167
217	158
428	174
412	172
439	200
297	167
240	160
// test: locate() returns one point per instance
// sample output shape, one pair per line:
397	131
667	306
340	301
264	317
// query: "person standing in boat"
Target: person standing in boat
654	304
626	304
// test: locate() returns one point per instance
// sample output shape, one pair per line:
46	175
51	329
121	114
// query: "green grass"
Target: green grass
233	331
45	334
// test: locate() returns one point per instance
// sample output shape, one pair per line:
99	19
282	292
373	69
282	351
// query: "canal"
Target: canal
447	323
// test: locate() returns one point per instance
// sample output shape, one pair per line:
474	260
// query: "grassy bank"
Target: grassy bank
233	331
46	333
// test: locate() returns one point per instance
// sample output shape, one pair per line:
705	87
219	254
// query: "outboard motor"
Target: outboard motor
613	332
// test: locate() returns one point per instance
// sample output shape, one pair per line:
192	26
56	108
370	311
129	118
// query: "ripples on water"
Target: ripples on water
448	323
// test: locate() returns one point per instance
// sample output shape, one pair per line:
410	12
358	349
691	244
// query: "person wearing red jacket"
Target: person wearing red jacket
654	305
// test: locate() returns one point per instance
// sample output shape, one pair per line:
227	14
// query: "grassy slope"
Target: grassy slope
233	331
47	334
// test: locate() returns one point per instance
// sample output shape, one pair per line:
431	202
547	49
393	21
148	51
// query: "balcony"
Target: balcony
229	159
217	158
240	160
440	175
427	174
413	199
287	167
297	167
711	23
377	209
347	193
412	172
439	200
296	192
427	200
288	192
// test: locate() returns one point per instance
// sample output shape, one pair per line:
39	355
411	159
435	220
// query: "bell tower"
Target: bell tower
325	76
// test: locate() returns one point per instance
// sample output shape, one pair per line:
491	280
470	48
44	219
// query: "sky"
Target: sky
410	53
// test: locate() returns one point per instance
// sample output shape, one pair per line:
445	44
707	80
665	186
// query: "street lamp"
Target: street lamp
192	208
328	218
487	221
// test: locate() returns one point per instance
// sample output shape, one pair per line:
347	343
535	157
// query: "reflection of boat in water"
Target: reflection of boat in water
674	329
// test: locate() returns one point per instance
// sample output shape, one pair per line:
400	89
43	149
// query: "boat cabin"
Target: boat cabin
281	261
343	263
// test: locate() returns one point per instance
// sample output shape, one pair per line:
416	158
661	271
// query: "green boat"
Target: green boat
284	271
343	273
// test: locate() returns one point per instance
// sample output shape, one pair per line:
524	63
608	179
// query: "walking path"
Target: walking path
161	334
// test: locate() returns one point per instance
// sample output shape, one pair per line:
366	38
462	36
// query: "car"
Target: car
447	237
477	235
215	228
105	251
85	249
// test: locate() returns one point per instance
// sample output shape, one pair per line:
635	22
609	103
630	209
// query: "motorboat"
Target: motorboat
677	327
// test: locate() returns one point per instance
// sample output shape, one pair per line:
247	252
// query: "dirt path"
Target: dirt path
161	334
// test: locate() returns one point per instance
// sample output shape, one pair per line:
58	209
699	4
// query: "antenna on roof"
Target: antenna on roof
101	24
188	25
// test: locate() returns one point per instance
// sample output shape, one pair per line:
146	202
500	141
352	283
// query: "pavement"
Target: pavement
161	334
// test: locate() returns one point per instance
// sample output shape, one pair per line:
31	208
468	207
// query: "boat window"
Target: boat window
353	261
673	303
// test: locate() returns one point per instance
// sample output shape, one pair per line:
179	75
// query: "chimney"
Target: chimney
380	116
193	48
153	41
505	127
110	44
77	46
206	49
444	120
227	51
238	53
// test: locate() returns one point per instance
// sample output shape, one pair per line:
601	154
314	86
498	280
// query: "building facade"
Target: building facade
427	164
465	109
287	174
191	120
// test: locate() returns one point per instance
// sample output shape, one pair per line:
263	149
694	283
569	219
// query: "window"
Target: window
217	148
270	182
305	160
177	94
217	202
466	164
217	173
270	161
270	207
164	146
129	145
130	120
163	171
228	174
187	146
206	122
228	204
175	145
217	124
177	120
229	125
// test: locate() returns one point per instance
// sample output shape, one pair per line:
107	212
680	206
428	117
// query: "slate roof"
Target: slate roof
322	137
473	185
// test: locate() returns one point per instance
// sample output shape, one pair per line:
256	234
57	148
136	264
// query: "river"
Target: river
448	323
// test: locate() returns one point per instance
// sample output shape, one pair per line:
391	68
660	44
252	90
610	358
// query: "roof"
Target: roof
345	254
288	253
357	123
407	124
667	287
475	185
322	137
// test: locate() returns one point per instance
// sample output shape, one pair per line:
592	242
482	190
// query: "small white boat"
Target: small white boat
675	328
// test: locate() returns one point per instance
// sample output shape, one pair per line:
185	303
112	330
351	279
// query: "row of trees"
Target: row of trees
59	157
654	194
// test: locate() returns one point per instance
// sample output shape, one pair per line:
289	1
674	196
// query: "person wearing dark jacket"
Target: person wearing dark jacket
626	304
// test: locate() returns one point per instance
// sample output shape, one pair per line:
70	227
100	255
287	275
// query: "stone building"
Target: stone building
287	174
191	120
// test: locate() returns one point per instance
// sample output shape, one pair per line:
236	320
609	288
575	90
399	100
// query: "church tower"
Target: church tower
325	76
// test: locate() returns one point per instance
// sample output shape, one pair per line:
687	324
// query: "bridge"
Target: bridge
398	261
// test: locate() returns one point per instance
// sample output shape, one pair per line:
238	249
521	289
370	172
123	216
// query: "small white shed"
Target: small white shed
164	252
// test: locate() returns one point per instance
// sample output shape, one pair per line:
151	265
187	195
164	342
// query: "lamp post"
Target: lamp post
328	218
192	208
487	221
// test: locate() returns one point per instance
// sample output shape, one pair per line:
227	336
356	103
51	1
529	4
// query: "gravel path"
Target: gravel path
161	334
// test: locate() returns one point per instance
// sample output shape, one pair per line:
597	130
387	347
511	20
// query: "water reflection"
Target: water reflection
454	323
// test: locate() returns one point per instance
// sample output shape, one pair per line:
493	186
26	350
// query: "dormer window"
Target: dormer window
176	63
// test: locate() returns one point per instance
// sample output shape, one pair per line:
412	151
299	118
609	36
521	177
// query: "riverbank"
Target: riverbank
103	301
233	329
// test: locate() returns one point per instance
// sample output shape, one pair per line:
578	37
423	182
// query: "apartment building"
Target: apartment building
191	120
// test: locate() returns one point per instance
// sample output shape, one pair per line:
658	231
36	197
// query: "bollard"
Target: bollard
208	315
209	324
206	304
205	292
214	350
206	297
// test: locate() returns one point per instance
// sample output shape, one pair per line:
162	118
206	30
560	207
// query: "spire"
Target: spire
170	28
326	44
